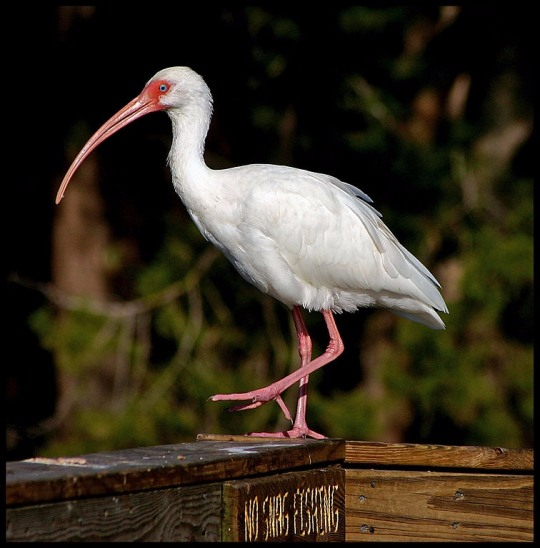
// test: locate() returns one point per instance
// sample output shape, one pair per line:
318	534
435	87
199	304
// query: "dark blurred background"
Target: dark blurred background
122	321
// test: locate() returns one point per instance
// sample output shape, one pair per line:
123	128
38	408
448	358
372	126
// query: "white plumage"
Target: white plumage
307	239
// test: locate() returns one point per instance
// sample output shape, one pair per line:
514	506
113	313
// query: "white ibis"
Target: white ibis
309	240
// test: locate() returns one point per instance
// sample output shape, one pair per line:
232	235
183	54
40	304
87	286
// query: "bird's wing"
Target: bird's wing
330	236
396	259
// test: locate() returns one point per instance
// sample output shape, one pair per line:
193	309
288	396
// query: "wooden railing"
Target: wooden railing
237	488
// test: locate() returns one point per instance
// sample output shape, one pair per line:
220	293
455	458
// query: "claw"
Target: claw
244	407
254	404
257	398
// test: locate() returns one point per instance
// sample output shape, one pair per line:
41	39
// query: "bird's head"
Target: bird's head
175	87
170	88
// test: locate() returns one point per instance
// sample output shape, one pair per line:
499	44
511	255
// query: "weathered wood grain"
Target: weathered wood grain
306	506
183	514
245	488
42	480
438	456
389	505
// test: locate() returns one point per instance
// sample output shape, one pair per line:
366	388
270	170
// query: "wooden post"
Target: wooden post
307	505
237	488
210	490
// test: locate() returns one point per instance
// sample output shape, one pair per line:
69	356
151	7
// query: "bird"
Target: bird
307	239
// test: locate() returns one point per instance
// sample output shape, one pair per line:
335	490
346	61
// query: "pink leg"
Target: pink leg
274	390
300	428
304	349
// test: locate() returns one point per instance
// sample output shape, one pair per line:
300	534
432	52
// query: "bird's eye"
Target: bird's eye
163	88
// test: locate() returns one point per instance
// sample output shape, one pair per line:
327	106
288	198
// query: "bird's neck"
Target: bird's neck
186	157
192	178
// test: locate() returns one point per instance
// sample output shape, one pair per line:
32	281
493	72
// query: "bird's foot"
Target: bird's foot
256	397
293	433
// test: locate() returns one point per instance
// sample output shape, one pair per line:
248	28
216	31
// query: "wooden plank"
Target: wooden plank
307	506
182	514
116	472
244	488
438	456
389	505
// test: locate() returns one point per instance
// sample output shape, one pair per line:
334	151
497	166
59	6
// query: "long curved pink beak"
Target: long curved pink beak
141	105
